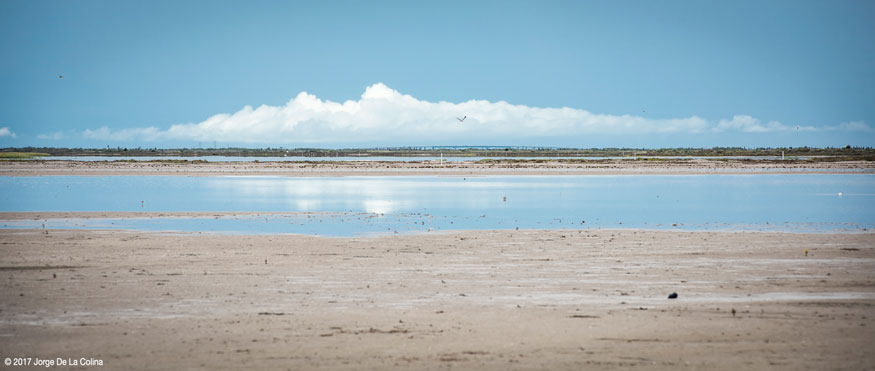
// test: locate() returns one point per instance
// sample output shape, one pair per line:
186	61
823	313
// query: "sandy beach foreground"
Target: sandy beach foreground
471	300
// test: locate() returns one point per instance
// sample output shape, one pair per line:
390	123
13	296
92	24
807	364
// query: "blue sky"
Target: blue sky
577	73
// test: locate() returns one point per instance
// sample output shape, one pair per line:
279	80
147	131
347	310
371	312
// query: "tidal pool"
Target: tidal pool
351	206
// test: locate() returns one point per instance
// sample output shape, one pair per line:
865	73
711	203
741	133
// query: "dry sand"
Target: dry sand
376	168
493	300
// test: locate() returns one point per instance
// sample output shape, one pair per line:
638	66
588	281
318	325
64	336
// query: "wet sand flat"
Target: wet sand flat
471	300
432	168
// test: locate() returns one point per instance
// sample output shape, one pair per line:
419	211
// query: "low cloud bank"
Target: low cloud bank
384	115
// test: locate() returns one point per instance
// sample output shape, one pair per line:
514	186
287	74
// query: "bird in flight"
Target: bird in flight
461	119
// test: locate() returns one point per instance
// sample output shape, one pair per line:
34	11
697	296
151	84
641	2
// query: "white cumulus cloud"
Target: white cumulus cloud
384	115
5	132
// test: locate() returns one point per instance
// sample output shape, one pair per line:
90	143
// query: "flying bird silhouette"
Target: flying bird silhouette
461	119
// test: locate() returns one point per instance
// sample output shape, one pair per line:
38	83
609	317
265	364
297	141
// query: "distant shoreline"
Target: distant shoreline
846	153
435	168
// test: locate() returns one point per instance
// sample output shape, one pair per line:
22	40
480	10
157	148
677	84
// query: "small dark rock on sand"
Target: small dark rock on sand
673	295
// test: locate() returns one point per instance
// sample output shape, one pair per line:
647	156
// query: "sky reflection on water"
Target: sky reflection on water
368	205
485	155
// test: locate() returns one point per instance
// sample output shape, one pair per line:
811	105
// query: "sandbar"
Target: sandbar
433	168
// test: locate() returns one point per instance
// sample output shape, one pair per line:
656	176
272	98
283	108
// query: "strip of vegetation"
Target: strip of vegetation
21	155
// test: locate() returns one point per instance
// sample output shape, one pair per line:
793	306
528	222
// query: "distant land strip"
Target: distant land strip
844	153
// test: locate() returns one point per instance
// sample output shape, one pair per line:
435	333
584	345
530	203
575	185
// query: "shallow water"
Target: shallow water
298	158
371	205
387	158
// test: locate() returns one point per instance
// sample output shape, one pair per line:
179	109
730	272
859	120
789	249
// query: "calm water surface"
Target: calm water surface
296	158
494	156
368	205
